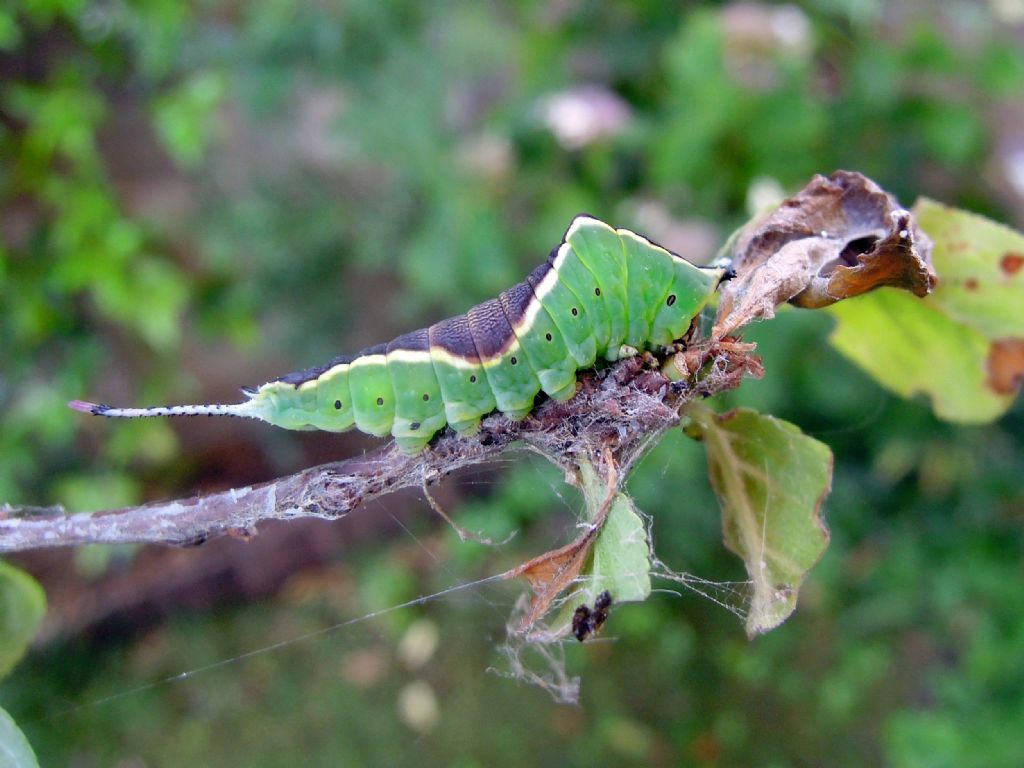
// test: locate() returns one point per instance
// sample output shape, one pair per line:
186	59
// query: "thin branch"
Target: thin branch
622	409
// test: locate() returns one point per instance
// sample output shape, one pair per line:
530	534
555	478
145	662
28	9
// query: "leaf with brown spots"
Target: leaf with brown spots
963	346
839	237
981	281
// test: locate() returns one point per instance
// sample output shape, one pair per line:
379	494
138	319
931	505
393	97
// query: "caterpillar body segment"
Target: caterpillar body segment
581	282
419	405
334	410
540	340
464	385
650	280
599	247
509	375
600	294
373	397
567	312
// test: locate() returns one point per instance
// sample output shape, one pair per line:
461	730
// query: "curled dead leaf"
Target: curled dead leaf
549	574
893	261
838	237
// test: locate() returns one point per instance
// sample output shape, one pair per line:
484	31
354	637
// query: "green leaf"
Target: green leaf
15	751
22	605
963	346
620	558
771	480
185	117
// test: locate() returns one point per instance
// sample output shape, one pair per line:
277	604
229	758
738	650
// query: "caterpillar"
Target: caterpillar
603	292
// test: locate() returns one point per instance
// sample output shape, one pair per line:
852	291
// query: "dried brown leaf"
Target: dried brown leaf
549	574
839	237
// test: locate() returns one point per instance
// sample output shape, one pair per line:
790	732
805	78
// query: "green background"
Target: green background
199	196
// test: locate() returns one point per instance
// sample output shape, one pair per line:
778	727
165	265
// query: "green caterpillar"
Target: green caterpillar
602	292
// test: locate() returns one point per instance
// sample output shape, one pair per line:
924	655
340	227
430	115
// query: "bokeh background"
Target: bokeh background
201	195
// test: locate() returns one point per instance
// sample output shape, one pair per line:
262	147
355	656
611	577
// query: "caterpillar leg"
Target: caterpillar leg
518	415
567	392
411	445
467	428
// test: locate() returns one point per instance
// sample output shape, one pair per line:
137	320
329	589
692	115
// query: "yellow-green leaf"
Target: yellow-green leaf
963	346
911	347
22	605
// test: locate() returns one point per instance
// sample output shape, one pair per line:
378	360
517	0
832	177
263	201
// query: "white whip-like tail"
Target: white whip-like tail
242	410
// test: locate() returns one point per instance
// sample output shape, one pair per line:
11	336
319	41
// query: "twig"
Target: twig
624	407
464	534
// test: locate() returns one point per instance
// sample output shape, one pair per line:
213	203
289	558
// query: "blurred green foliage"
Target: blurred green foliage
76	268
331	153
22	605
